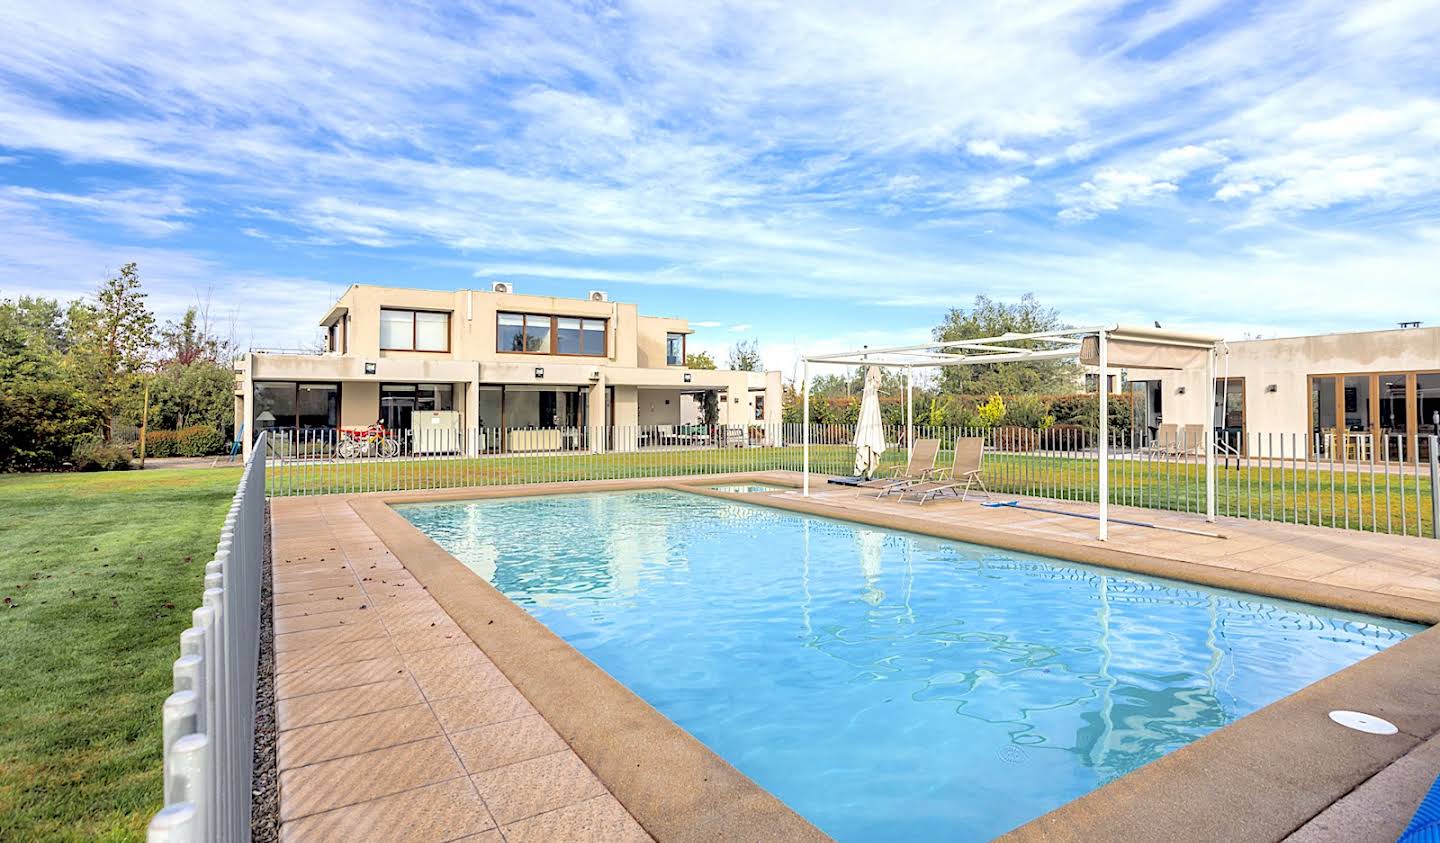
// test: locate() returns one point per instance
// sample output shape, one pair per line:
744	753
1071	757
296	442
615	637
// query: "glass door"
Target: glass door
1427	416
1394	411
1229	414
1324	419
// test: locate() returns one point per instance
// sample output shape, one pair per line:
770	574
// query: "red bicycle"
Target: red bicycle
371	441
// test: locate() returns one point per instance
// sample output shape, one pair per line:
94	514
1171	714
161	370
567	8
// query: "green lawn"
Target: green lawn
99	573
1269	491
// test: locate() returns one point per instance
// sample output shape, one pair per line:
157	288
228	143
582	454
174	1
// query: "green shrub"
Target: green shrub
992	412
160	443
94	455
1029	412
198	441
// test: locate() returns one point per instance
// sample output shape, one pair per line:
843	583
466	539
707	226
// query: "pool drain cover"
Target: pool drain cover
1362	722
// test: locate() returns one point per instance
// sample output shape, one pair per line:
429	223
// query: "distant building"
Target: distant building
1346	395
547	369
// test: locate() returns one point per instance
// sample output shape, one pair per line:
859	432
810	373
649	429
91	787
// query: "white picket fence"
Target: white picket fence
209	721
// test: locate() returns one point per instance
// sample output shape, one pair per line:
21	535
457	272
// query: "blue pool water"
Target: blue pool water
891	686
747	487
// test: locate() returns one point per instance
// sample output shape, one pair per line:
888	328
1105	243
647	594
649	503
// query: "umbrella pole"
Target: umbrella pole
909	418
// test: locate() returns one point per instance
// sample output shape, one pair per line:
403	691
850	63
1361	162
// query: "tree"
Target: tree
700	360
745	357
112	341
988	318
190	341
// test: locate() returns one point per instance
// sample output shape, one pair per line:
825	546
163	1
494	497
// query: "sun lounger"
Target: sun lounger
964	474
920	467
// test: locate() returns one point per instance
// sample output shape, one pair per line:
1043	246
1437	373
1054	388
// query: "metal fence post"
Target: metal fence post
1435	486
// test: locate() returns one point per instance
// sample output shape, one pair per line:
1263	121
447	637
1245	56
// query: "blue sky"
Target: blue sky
812	175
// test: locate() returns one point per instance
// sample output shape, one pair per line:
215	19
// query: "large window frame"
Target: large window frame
552	321
292	420
1372	399
415	331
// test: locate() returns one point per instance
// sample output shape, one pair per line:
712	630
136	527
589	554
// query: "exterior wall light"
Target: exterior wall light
539	371
687	377
1272	388
369	368
1179	390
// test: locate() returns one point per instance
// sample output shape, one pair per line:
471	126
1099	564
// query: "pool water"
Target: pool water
886	685
748	487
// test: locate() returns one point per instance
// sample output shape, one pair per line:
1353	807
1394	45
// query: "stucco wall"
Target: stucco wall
1287	363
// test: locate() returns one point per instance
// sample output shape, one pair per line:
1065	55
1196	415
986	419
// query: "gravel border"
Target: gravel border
265	785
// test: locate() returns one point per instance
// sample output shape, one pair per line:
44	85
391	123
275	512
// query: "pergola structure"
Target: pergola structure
1103	346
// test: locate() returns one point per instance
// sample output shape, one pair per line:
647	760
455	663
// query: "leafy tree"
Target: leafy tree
112	341
700	360
745	357
987	318
190	341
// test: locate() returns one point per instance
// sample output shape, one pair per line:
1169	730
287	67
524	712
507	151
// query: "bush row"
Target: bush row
196	441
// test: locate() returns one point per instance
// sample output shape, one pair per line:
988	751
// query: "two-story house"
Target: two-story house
523	368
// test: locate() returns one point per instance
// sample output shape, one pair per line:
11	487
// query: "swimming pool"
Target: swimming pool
888	685
746	488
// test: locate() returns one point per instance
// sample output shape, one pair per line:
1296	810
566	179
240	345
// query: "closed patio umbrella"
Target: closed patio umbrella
869	431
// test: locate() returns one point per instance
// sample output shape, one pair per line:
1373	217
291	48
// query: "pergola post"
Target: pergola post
909	418
1104	390
805	426
1210	439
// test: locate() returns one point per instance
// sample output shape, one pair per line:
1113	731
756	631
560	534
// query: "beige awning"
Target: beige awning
1143	348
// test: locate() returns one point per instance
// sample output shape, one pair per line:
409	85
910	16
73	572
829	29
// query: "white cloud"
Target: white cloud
150	212
1110	188
993	149
740	329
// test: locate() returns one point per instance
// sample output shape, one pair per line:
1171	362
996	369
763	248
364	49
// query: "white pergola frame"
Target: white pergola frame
1044	345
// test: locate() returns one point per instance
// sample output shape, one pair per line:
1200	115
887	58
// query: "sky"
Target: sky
815	176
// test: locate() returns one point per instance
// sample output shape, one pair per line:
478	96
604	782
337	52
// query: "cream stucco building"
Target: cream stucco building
1374	391
536	372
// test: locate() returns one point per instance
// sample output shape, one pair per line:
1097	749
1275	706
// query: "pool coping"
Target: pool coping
1262	777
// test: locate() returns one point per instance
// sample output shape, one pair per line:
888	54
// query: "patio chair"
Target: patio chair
1167	439
1193	439
920	466
962	475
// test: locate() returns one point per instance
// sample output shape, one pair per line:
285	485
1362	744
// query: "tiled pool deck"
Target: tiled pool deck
393	724
396	726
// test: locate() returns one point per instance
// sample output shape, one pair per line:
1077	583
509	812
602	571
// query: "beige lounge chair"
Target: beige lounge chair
920	466
1192	439
1167	439
962	475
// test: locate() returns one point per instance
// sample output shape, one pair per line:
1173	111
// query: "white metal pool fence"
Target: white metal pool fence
209	720
1376	483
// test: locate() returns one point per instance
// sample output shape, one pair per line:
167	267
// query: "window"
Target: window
530	333
286	404
414	330
335	337
675	349
759	408
579	336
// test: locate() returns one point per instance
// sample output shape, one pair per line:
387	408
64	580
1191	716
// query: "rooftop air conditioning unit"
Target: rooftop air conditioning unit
598	295
502	287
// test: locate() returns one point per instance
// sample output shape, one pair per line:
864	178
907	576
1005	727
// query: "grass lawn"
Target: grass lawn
99	574
1270	490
